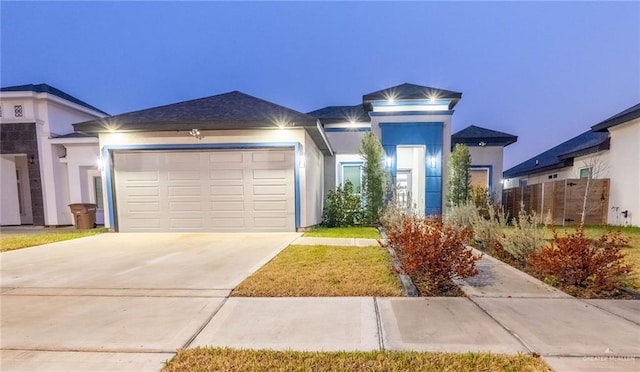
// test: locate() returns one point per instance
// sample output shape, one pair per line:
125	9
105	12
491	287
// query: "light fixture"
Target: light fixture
432	161
99	163
32	159
389	160
482	144
302	161
195	132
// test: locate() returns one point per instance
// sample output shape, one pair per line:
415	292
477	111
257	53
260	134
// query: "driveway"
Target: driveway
120	301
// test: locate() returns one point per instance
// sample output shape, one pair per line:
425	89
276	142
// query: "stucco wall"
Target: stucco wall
345	142
491	156
624	170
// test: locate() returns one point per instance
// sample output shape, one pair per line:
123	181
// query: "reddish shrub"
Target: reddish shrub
432	254
582	266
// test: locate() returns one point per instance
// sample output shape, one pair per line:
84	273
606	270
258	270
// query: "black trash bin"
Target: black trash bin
84	215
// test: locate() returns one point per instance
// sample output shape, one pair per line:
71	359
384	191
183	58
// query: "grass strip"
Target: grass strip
225	359
13	241
301	271
344	232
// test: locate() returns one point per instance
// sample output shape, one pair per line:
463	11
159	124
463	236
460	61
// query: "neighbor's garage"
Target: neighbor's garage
205	191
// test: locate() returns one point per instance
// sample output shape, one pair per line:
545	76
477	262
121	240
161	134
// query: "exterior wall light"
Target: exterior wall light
432	161
195	132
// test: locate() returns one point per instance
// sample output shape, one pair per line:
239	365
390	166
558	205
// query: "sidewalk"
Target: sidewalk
505	311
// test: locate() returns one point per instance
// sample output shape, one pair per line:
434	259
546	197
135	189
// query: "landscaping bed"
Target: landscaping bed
300	271
13	241
225	359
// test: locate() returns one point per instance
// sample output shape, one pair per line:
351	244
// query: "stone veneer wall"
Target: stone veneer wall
21	138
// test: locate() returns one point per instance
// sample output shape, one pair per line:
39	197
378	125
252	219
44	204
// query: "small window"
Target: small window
97	187
585	173
555	175
353	173
17	111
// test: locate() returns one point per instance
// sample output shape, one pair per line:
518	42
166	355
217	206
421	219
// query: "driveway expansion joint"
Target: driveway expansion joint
205	323
379	324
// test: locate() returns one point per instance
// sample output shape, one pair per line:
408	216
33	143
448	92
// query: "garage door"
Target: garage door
209	191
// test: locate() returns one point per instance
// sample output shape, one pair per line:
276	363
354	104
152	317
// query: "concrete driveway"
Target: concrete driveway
120	301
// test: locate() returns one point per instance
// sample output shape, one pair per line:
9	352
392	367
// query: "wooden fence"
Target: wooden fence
560	202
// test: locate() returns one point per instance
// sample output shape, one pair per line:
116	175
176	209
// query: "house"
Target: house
486	147
608	150
234	162
37	143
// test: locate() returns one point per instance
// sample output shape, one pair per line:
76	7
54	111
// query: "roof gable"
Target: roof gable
341	114
46	88
561	155
477	136
629	114
228	111
408	91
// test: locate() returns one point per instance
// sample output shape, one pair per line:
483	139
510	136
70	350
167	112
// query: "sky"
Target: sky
544	71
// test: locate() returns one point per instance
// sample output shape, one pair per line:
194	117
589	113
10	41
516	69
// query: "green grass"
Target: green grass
632	251
301	271
13	241
224	359
344	232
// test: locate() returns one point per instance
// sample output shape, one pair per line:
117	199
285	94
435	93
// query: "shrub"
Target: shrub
462	216
391	217
432	254
373	177
459	179
582	266
526	238
343	207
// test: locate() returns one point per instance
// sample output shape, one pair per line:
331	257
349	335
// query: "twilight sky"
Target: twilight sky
544	71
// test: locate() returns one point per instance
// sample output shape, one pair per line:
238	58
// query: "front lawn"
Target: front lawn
632	251
12	241
344	232
224	359
301	271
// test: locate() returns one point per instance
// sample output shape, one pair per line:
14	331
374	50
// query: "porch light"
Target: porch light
302	161
432	161
99	163
389	161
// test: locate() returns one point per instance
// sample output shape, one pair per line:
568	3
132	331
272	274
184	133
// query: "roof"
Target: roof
629	114
46	88
75	135
474	136
341	114
227	111
412	91
562	155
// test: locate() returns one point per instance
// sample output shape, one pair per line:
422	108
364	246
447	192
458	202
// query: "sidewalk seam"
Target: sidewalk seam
378	323
608	311
205	324
512	333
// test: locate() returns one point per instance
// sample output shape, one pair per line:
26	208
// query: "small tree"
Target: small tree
459	179
596	168
374	177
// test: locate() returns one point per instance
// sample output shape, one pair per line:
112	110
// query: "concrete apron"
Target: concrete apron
121	302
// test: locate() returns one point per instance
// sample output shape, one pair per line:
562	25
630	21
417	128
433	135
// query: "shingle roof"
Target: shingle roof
75	135
412	91
227	111
562	155
46	88
341	114
631	113
474	135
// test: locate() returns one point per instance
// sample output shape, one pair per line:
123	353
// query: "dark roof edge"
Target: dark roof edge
605	145
560	165
618	118
48	89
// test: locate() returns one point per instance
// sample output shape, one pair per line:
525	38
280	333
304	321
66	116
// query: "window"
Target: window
551	176
17	111
97	188
479	177
585	173
353	173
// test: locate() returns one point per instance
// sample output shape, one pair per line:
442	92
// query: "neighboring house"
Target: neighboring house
486	147
44	165
608	150
233	162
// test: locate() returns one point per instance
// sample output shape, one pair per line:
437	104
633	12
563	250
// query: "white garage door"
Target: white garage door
216	191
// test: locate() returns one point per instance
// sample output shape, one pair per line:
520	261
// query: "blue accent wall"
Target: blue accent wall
428	134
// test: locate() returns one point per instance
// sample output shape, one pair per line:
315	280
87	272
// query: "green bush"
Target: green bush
373	178
343	207
526	238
